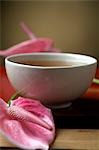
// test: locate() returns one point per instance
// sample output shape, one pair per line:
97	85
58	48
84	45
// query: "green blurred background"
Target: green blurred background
73	25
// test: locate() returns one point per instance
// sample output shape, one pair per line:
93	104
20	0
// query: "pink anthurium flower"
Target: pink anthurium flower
27	123
29	46
34	44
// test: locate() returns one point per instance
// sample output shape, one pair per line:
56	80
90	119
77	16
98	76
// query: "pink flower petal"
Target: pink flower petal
18	124
29	46
14	131
3	108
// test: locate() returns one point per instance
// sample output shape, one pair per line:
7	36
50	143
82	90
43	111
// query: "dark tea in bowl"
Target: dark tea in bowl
55	79
48	63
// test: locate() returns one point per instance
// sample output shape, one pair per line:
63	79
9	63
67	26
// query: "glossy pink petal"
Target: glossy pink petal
3	109
29	46
33	45
27	123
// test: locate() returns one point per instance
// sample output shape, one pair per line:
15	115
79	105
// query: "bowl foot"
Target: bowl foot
66	105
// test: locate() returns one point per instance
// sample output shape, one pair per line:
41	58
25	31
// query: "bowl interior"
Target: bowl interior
51	60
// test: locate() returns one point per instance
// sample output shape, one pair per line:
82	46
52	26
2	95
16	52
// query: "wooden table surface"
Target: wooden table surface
77	127
85	139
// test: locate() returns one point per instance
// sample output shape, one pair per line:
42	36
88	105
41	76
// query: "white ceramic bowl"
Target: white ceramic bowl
54	85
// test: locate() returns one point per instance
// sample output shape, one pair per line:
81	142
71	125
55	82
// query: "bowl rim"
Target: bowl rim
92	61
